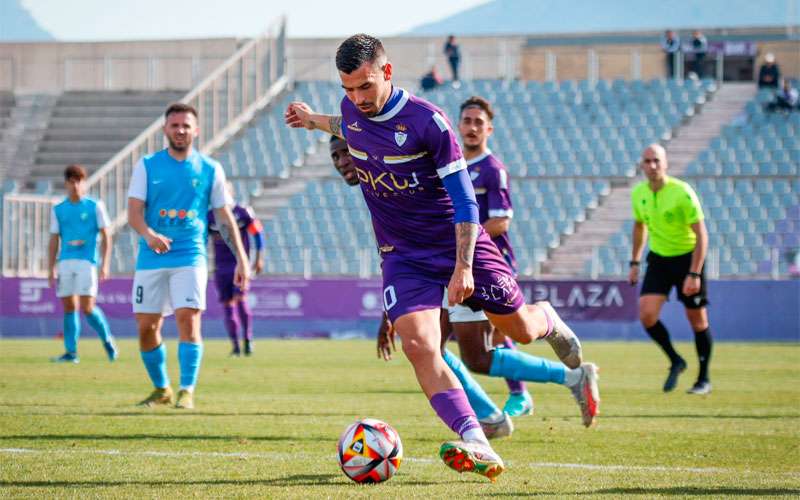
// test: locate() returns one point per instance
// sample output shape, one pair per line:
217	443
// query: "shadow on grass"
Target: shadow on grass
179	414
720	492
161	437
293	480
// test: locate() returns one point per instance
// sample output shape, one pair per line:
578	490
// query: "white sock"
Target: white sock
475	434
572	376
189	388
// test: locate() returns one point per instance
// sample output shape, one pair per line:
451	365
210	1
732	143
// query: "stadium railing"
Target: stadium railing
225	100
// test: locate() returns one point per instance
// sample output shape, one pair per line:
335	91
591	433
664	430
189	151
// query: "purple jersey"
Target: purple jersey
490	179
400	158
224	259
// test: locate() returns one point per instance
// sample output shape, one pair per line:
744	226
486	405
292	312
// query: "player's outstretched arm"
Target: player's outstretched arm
300	115
229	232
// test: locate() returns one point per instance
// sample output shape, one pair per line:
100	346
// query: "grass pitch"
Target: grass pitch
267	426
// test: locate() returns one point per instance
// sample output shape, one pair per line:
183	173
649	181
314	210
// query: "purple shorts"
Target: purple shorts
410	286
225	287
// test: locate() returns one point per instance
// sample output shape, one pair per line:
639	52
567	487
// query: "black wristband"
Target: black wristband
693	275
633	263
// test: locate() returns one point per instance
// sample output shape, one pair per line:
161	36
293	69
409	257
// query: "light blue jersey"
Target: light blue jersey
177	195
78	223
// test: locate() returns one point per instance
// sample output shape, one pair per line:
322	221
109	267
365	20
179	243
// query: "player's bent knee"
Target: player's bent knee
648	318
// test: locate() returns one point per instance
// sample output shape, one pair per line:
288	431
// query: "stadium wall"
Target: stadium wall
81	66
345	308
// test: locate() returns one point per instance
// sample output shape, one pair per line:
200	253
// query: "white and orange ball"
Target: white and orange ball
370	451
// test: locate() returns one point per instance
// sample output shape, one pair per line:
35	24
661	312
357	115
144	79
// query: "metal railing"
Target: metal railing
225	100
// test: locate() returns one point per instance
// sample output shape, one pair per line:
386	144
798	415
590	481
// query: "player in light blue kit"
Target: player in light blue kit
169	194
74	226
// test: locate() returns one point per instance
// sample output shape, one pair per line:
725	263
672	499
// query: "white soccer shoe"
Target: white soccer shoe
587	394
472	456
502	428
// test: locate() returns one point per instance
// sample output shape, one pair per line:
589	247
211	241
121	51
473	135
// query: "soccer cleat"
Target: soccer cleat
519	404
67	357
235	352
248	348
674	371
502	428
700	388
472	456
587	393
159	397
111	349
562	339
185	400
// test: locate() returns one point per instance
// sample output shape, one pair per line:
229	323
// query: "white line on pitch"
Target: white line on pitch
291	456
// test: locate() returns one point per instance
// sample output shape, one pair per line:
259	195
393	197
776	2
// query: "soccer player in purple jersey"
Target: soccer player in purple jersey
495	423
473	330
416	186
234	299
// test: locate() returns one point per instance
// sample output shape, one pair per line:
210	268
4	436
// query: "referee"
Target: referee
668	209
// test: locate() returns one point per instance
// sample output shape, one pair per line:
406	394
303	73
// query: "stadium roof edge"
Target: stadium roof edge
718	34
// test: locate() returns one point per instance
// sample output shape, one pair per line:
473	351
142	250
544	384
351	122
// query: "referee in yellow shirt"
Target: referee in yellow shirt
668	209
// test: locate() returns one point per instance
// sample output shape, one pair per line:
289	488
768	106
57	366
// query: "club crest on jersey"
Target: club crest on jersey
400	135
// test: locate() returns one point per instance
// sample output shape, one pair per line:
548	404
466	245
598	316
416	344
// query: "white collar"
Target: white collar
480	157
387	115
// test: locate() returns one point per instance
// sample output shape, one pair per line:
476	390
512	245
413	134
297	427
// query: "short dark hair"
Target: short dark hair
179	107
75	171
357	50
477	102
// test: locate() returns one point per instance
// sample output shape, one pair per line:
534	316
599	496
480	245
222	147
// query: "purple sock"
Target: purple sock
453	408
232	325
245	316
514	386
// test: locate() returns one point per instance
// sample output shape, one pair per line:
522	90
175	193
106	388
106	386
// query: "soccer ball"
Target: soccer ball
370	451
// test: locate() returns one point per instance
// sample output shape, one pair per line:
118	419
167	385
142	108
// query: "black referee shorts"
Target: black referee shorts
665	272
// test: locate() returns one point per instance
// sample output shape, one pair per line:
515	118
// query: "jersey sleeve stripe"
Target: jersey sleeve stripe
361	155
441	122
501	213
452	167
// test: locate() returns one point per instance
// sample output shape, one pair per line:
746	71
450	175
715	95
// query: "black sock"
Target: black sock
658	332
703	342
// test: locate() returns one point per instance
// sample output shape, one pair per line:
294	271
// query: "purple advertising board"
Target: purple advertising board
296	298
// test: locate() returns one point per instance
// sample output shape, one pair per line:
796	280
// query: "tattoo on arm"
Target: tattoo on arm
335	123
466	236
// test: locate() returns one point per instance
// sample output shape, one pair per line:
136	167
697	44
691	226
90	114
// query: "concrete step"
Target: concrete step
97	133
96	122
87	143
65	157
56	170
133	111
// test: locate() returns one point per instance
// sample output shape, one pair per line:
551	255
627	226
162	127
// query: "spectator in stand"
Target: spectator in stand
431	80
699	49
769	74
786	99
453	53
671	44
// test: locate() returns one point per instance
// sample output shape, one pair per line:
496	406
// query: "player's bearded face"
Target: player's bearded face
180	130
475	128
369	86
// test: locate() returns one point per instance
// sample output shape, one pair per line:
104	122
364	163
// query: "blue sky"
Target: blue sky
77	20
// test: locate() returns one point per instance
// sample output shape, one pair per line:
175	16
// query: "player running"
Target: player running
474	332
74	226
233	299
416	186
169	195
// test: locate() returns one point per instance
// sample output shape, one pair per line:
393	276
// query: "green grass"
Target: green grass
280	413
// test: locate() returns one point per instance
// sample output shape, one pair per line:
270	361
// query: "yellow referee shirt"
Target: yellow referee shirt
668	215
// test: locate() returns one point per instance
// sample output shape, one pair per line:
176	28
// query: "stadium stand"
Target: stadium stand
90	127
563	143
747	181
